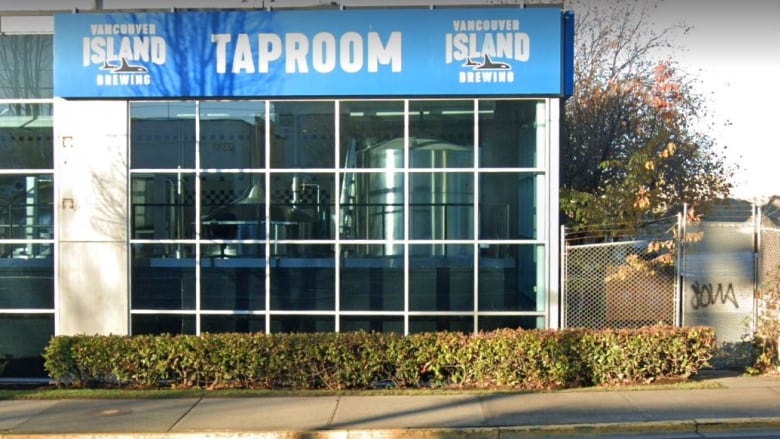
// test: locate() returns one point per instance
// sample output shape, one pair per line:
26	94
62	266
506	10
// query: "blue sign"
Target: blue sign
311	53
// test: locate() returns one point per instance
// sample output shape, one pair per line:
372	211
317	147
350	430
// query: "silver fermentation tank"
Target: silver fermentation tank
440	203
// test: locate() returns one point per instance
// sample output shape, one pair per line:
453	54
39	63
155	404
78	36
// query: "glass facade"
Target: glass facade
320	215
246	214
26	203
26	66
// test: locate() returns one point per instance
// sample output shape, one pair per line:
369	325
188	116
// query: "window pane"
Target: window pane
26	136
302	277
303	134
163	324
371	281
374	208
163	276
26	212
372	134
216	324
511	278
162	206
26	68
507	206
27	282
162	135
442	205
443	281
301	206
232	135
237	282
463	324
290	324
372	324
491	323
23	338
441	134
512	133
232	208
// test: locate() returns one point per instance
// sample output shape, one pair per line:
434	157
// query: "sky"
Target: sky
734	49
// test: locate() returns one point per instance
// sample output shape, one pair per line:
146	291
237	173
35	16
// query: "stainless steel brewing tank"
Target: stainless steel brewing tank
379	196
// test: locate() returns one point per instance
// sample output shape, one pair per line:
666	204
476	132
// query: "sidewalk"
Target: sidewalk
740	403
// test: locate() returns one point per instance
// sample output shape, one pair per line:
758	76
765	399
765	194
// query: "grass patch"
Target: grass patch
54	393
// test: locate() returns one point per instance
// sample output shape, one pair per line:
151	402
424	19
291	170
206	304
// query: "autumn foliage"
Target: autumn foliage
632	150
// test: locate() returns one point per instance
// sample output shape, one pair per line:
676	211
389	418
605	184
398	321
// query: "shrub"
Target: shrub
767	333
516	359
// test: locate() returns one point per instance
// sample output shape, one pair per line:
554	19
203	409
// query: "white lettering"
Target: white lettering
123	29
387	54
504	46
100	50
486	25
522	47
462	46
324	52
85	51
118	80
222	40
242	57
270	49
351	52
470	77
459	49
448	48
297	47
158	50
488	46
126	49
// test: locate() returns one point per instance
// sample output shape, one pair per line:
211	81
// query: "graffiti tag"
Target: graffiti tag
705	295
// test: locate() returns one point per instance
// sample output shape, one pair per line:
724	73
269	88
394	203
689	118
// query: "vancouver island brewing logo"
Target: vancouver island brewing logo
486	48
122	52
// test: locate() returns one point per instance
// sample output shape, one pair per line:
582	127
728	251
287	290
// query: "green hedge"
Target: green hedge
517	359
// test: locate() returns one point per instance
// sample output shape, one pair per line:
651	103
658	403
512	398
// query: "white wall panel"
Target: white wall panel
27	24
43	5
90	198
92	288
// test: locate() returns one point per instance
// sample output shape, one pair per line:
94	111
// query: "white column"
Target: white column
553	226
91	273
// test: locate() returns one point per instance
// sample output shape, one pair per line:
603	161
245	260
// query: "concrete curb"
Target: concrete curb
694	427
731	424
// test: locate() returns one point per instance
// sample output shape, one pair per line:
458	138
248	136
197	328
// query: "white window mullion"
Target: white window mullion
197	218
406	216
267	219
337	211
475	219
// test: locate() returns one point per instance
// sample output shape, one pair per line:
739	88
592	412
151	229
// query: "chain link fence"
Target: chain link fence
768	271
611	281
770	252
769	242
623	283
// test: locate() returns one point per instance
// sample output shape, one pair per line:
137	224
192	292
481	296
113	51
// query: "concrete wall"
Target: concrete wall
90	200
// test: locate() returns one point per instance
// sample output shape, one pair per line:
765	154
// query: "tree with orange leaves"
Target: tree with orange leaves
630	150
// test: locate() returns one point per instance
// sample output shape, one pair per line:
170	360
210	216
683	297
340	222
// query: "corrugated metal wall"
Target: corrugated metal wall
718	279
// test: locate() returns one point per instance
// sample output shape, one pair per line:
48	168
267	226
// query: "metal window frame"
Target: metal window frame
546	193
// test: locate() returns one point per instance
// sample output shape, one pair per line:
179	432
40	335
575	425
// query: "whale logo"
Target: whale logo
108	66
489	64
470	63
129	68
